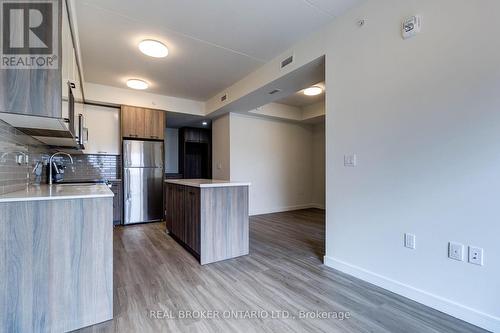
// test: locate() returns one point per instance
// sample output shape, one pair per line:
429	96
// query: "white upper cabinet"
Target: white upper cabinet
103	125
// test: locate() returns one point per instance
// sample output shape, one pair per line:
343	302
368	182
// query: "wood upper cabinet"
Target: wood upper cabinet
34	91
142	123
132	122
154	124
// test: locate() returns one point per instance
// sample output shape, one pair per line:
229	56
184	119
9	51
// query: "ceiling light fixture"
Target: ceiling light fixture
137	84
153	48
204	123
313	91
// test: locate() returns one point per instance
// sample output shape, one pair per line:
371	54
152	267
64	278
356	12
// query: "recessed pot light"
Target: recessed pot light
153	48
313	91
137	84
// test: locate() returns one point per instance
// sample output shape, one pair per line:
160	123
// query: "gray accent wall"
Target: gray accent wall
171	150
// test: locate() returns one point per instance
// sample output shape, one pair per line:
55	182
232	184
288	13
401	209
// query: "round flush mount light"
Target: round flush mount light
137	84
153	48
313	91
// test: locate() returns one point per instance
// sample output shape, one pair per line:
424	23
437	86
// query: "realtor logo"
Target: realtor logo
29	36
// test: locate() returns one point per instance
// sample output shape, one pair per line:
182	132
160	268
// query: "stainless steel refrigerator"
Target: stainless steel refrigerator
142	181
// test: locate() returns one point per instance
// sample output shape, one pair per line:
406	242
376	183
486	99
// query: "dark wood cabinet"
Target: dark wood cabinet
190	134
183	215
116	188
195	153
175	211
192	218
198	135
205	136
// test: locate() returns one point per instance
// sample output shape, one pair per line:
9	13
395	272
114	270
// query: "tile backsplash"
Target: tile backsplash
16	170
15	173
94	167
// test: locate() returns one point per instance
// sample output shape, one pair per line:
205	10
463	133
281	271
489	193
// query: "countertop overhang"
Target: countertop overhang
204	183
58	192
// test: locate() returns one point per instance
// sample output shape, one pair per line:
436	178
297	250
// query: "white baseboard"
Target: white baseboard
281	209
318	206
439	303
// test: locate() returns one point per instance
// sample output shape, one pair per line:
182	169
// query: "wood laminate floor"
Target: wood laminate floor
282	276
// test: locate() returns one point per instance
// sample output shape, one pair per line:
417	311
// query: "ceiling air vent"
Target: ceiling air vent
275	91
286	61
223	98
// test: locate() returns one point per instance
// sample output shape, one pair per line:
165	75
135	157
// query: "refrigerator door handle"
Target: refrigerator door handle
128	184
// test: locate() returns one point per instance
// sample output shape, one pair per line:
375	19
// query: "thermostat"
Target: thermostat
411	26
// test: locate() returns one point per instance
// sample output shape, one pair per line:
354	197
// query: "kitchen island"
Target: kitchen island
56	262
208	217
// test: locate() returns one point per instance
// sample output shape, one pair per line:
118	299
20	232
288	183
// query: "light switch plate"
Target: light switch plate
410	241
456	251
476	255
350	160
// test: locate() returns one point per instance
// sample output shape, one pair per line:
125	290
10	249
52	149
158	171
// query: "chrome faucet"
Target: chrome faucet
51	162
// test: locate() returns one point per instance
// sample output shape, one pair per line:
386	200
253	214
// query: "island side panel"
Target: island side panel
224	223
56	258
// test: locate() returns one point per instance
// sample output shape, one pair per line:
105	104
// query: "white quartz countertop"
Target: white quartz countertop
206	182
58	192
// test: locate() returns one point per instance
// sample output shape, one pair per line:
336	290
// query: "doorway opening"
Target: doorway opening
279	147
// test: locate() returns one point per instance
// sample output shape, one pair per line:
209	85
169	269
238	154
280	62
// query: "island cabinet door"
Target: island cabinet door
192	218
177	212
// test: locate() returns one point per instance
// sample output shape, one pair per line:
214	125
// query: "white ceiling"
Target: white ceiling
300	100
212	44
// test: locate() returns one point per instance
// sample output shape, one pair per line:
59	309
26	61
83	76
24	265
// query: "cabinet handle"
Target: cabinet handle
154	137
133	135
102	152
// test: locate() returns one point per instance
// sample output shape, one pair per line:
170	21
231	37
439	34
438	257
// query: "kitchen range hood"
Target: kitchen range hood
56	132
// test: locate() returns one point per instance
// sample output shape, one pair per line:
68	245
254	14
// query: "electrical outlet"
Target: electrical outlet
456	251
476	255
410	241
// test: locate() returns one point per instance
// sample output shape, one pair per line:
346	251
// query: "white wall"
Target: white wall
318	166
280	111
423	117
276	157
313	111
99	93
220	148
171	150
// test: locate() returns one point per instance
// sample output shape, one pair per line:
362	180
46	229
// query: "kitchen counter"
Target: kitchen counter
203	183
58	192
57	258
